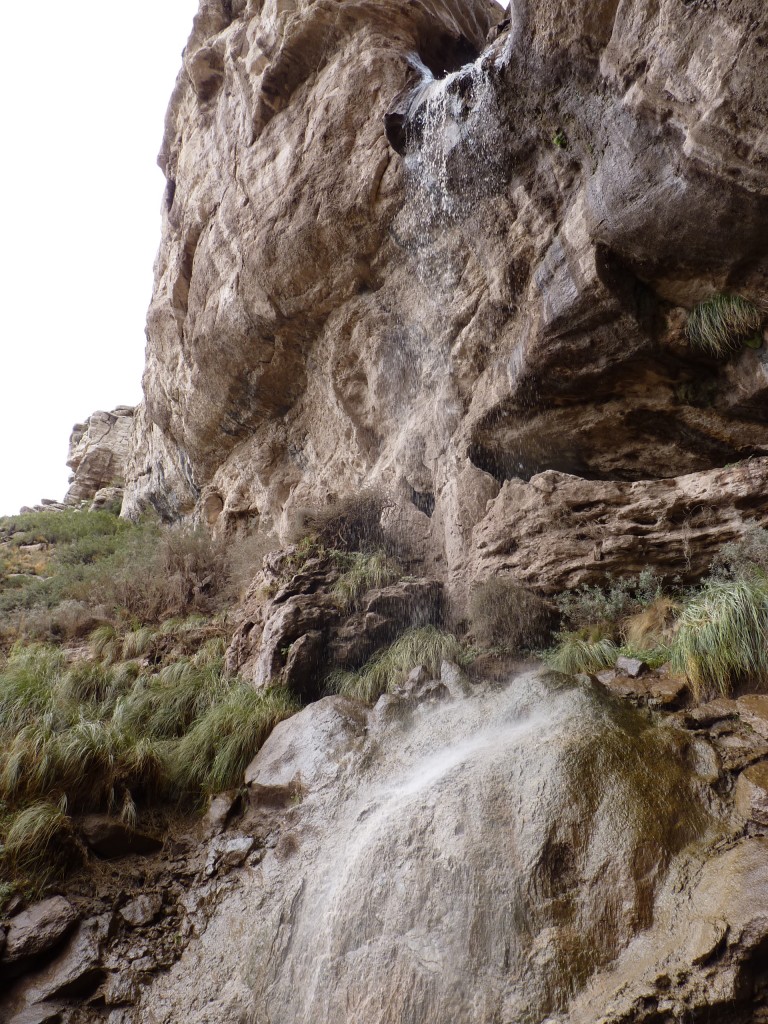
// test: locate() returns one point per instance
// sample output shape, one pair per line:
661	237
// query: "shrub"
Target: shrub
388	668
504	614
352	523
653	626
365	572
594	606
742	556
213	755
723	323
722	635
577	652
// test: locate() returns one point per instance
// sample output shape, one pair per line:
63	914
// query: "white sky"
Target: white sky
85	87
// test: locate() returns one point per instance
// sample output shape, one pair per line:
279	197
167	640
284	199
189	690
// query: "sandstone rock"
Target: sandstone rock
78	969
143	910
753	709
513	323
35	932
751	796
707	714
109	837
307	751
120	989
43	1013
98	450
667	692
560	531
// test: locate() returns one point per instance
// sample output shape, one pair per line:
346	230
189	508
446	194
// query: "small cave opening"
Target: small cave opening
444	54
424	501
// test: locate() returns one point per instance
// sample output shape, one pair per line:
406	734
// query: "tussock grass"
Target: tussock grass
215	752
575	652
388	668
364	573
39	840
722	634
653	626
722	324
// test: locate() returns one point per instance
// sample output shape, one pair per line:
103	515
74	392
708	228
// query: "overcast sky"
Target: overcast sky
85	87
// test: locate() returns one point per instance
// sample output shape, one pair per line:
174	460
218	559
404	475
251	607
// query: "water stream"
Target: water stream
486	858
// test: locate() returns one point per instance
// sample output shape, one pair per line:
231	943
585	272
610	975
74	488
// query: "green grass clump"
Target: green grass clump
388	668
722	634
215	752
723	324
365	572
39	841
576	652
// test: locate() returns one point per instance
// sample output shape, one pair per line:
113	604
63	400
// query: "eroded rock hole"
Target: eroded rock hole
424	501
445	54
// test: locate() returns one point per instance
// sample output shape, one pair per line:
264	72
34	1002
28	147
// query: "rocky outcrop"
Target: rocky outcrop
293	628
98	451
505	302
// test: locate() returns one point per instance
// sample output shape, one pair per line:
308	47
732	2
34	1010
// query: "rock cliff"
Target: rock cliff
98	450
494	320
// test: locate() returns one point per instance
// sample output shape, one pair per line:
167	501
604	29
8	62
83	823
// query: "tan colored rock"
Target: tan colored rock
751	796
560	531
497	310
98	450
753	709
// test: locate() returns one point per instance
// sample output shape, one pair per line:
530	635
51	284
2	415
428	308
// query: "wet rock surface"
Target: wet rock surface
496	316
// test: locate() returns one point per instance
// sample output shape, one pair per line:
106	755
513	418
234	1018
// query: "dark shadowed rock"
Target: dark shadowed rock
78	969
110	838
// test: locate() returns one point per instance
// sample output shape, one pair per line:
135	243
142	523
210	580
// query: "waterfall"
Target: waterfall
479	862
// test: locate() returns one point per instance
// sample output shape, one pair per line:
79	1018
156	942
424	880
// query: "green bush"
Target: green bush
723	324
388	668
587	606
364	572
722	635
741	557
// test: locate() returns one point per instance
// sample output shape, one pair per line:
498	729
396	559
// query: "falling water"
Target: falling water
487	857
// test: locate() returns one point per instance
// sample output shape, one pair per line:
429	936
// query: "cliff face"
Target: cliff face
493	322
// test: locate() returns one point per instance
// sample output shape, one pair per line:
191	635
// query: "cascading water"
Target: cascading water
477	863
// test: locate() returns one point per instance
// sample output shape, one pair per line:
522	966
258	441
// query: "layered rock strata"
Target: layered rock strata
98	451
508	299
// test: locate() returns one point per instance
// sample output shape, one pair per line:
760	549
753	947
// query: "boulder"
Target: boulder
98	450
306	752
143	910
632	667
35	932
